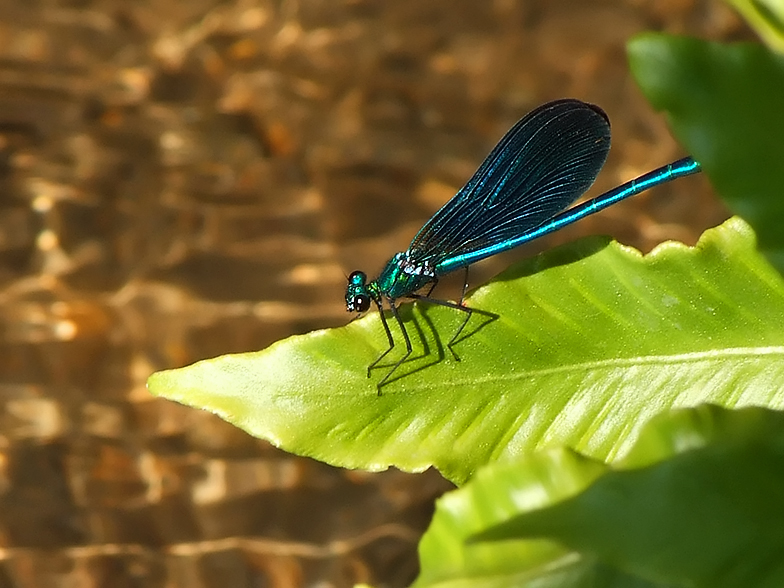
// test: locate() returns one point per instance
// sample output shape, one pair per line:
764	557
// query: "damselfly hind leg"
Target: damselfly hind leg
448	304
468	312
432	287
453	340
465	288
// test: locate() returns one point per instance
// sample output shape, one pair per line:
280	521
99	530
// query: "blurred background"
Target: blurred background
180	180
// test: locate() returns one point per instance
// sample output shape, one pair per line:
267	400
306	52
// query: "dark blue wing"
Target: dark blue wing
543	164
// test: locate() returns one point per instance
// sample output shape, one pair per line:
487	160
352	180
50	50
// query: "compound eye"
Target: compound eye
361	302
357	277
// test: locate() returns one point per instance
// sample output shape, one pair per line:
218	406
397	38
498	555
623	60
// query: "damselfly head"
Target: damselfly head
357	297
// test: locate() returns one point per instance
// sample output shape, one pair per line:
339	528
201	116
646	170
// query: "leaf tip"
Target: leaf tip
158	383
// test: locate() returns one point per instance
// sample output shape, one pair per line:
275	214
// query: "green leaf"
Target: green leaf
697	503
592	340
766	17
726	106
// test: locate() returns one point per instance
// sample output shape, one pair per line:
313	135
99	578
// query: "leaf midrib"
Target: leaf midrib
678	358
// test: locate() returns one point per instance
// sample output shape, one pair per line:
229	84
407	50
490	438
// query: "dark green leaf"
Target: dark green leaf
726	105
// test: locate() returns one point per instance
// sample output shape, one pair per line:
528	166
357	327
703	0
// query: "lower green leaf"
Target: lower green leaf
707	514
